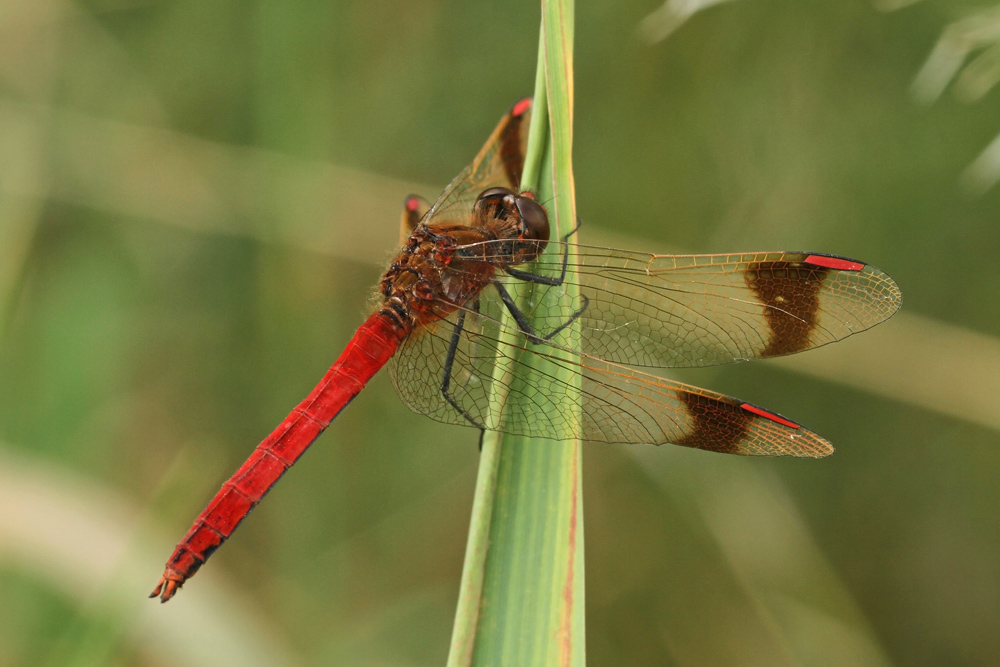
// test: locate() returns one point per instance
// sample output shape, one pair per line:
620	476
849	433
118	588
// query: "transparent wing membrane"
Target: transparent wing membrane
617	404
498	164
700	310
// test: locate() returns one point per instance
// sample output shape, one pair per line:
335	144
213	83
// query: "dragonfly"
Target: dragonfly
485	321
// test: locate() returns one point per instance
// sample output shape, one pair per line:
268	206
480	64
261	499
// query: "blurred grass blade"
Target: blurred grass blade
959	40
670	16
89	543
522	593
795	608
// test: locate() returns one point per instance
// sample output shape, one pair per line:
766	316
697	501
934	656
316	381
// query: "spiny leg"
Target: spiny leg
522	321
449	362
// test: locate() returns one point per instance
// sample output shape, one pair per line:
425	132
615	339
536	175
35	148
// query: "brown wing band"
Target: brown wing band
790	294
718	426
511	143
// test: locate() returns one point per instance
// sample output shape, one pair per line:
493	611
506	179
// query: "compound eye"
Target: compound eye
534	217
493	193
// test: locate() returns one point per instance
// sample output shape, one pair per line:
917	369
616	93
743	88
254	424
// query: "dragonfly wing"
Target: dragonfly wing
701	310
545	391
624	405
446	369
418	373
499	163
415	208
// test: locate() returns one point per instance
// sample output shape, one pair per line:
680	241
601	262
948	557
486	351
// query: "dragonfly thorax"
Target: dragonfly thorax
429	278
444	265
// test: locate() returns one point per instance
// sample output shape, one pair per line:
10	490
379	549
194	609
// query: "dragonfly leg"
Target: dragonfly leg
449	362
522	320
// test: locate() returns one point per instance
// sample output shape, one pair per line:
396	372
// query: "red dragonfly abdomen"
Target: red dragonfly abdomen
372	346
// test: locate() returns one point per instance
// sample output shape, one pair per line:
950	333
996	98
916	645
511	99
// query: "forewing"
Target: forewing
523	389
415	208
499	163
699	310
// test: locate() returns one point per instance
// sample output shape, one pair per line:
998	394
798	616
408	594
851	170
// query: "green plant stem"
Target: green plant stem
467	612
522	594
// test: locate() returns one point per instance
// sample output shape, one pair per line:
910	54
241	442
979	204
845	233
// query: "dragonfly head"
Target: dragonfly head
530	219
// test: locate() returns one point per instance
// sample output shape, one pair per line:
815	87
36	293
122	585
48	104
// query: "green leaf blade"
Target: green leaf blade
522	596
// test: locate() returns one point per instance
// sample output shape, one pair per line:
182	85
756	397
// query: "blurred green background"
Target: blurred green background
196	199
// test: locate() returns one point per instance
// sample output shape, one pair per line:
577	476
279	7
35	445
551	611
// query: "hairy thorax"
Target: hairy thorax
428	279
